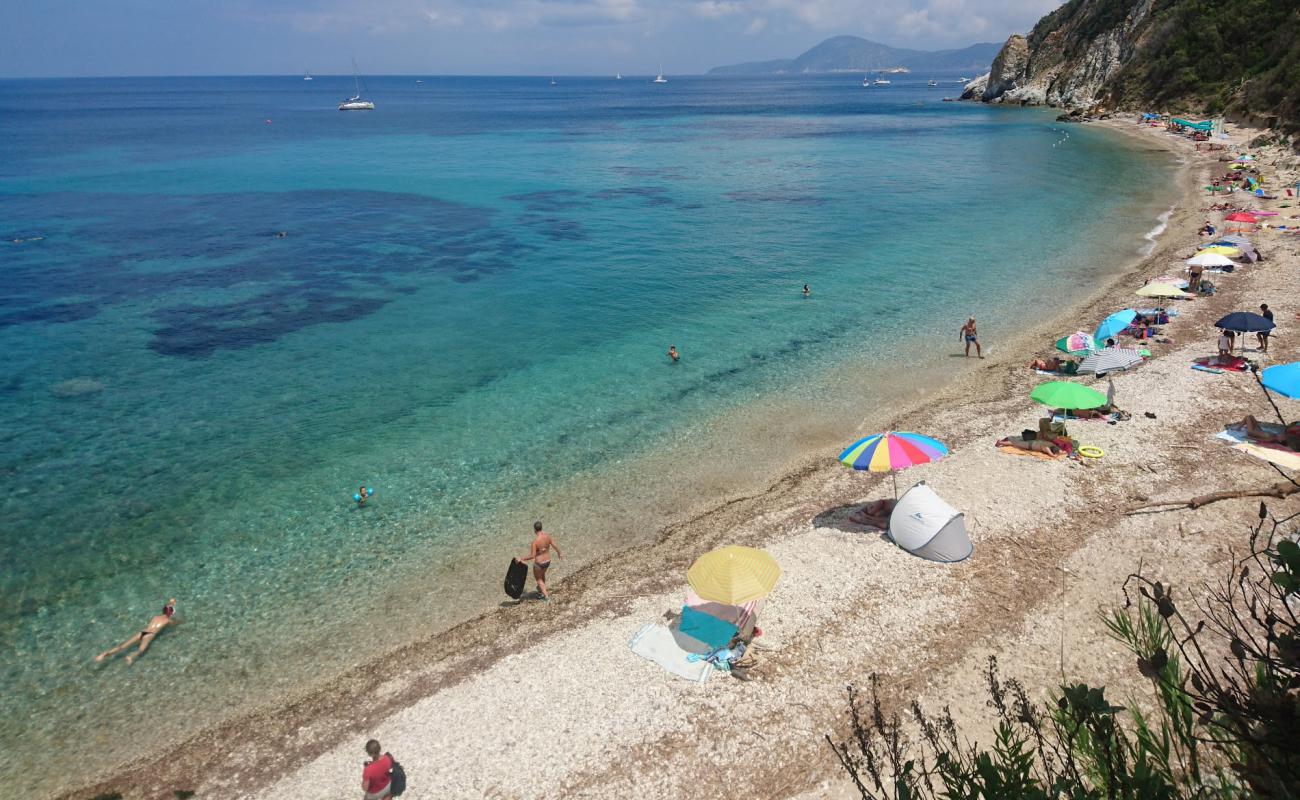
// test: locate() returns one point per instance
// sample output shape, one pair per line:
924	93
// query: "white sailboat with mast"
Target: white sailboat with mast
660	77
355	103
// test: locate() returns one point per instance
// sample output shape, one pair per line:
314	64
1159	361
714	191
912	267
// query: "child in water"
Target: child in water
672	353
363	494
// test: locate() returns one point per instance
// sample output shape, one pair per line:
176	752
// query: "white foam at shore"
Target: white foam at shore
1152	235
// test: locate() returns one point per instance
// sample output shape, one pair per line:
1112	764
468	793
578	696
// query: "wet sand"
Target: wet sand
460	709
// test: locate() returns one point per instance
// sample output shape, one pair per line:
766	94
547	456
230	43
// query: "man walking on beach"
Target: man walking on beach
971	336
376	780
540	554
1262	336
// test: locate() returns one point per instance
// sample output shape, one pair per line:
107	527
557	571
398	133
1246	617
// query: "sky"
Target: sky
48	38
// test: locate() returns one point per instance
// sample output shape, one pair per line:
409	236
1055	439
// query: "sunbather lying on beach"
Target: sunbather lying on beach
1054	364
1033	445
876	514
1289	437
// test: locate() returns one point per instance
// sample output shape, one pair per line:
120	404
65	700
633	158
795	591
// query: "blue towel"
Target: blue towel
706	628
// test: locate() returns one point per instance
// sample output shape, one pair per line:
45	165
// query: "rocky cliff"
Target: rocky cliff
1240	57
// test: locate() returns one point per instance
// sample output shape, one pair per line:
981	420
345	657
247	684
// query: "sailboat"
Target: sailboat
355	103
618	76
306	76
932	84
552	81
660	77
866	81
880	82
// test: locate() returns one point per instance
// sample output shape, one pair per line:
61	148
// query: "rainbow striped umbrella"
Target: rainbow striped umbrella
892	451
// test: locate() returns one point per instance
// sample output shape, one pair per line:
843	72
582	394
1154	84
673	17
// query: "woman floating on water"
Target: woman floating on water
145	637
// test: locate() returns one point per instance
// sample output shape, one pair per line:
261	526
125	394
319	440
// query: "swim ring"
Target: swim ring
1088	451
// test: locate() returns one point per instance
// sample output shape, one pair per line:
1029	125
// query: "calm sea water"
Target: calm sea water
468	311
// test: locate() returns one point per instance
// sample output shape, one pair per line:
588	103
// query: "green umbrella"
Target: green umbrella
1066	395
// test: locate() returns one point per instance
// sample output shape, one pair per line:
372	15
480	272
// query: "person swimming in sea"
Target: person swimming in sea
672	353
806	291
363	494
145	637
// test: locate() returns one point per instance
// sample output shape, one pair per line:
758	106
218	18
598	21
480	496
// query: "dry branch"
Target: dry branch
1278	490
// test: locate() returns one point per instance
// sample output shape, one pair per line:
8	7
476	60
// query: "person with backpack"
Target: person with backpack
379	776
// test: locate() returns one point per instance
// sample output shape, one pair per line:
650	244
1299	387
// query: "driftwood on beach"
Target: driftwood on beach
1278	490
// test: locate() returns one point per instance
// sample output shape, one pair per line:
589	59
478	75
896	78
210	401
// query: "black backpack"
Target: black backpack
398	776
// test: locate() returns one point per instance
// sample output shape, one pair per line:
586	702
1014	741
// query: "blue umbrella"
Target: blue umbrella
1283	379
1114	324
1245	322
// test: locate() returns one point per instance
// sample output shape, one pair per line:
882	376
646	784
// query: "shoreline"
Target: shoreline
361	698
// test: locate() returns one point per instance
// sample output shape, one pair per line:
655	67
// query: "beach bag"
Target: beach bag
398	776
1028	435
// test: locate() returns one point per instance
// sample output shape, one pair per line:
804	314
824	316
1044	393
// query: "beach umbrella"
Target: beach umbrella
1245	159
1162	290
1245	322
1075	343
1241	216
1109	360
1210	260
1114	324
1066	395
892	451
1222	250
734	575
1283	379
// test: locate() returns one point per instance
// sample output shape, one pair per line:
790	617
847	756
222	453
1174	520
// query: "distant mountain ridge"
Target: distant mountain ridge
855	54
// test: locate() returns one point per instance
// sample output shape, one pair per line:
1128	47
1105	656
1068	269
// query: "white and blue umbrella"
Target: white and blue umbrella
1114	324
1100	362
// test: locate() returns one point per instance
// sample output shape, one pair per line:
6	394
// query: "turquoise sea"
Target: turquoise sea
468	310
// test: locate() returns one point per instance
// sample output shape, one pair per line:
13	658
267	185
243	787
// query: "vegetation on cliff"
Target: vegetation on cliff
1239	57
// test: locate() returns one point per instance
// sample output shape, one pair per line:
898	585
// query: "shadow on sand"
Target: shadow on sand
838	519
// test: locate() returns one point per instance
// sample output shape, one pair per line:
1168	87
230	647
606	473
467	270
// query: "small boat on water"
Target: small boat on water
355	103
552	81
880	82
866	82
306	76
618	76
933	84
963	79
660	77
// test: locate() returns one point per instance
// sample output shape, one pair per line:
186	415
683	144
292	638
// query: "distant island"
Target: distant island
855	54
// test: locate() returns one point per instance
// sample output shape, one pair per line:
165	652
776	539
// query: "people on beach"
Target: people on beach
1207	229
540	554
145	637
1262	336
362	495
1289	437
806	291
1194	277
876	513
1225	343
672	353
969	333
376	777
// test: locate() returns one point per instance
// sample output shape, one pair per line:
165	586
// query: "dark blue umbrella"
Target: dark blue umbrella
1245	322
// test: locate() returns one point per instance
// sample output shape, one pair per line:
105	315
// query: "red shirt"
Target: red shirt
376	773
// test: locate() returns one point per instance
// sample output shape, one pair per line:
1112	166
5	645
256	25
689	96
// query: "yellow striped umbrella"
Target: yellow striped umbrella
734	575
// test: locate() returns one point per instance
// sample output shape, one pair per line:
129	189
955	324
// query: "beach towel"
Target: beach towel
1016	451
1231	363
705	628
656	643
1268	451
1204	368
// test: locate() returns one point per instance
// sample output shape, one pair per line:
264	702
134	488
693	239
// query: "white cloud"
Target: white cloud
756	26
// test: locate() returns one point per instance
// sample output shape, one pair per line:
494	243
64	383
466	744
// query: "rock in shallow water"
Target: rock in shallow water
76	387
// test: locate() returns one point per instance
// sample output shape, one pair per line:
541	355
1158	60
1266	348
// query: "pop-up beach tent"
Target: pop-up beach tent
924	525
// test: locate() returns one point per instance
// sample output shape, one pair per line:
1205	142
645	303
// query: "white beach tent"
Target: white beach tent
924	525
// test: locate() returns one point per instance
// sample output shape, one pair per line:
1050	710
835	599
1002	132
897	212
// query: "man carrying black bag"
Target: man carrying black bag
381	776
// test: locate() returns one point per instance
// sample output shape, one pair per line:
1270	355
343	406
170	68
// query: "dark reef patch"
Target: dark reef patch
345	255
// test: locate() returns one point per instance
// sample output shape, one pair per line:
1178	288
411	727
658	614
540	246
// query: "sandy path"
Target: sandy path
461	711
